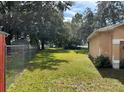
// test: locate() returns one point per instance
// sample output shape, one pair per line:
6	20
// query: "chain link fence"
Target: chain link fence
17	56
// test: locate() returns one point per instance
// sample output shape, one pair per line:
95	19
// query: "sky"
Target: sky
78	6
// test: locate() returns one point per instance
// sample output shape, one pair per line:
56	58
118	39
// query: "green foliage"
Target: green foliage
42	19
122	63
87	26
77	20
79	29
109	12
102	61
71	39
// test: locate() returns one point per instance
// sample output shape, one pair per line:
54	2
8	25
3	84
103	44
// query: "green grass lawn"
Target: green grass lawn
64	70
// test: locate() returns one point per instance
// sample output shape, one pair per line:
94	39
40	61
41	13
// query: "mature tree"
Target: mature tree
41	20
76	23
77	20
50	21
109	12
70	37
9	16
87	25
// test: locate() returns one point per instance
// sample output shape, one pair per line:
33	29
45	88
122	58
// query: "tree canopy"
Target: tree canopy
43	21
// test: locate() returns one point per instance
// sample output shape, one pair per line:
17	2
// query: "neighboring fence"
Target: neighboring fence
17	57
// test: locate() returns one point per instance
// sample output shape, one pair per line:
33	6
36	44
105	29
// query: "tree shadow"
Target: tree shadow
57	50
45	60
82	51
109	72
112	73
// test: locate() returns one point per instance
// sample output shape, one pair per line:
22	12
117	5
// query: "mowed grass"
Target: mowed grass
63	70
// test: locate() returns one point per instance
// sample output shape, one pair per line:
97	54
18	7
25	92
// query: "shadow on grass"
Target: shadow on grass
57	50
45	60
109	72
82	51
112	73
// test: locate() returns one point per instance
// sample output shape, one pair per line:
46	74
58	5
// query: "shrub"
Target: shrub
91	58
102	61
122	63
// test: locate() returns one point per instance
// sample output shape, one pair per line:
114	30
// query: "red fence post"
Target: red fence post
2	63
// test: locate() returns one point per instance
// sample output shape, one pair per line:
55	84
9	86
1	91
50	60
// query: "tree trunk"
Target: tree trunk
42	44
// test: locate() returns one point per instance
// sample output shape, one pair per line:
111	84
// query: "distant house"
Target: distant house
108	41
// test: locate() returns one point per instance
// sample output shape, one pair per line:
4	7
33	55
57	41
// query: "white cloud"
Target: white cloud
70	12
79	6
67	19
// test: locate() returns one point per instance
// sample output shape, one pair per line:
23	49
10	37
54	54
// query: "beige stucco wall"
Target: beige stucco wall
102	43
94	46
118	33
105	44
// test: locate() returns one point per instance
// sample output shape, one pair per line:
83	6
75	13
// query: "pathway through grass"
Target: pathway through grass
63	70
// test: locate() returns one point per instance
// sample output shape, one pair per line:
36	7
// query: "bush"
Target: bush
102	61
91	58
122	63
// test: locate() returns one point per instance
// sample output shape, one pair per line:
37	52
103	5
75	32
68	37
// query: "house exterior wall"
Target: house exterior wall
105	44
118	36
118	33
94	46
109	43
100	45
103	41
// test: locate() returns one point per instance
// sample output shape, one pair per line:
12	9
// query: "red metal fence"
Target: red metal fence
2	63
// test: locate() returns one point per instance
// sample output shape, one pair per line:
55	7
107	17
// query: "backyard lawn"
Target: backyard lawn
65	70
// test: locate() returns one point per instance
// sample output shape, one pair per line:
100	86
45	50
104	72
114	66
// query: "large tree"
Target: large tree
87	26
109	12
43	20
